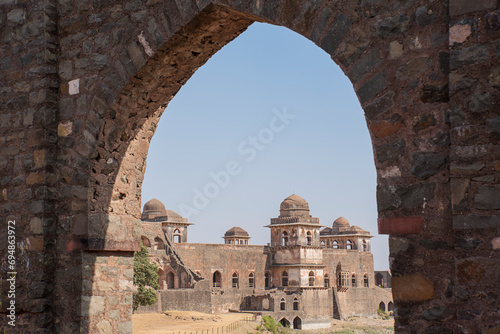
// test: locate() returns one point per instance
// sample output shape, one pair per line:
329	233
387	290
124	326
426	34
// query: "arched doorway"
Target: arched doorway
297	323
170	280
390	306
381	306
216	280
285	322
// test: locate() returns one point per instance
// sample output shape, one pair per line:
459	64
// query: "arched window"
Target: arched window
284	279
297	323
295	304
251	282
235	281
311	278
365	246
323	243
216	279
327	281
365	280
379	280
284	238
177	236
159	244
390	307
335	244
349	245
381	306
353	280
170	280
145	241
309	238
266	280
282	304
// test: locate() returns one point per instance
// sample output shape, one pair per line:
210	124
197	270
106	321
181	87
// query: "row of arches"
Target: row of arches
235	280
295	304
343	280
390	306
157	244
297	323
171	280
344	277
348	244
288	239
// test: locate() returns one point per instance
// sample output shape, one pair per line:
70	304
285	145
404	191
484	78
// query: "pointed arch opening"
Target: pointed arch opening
216	280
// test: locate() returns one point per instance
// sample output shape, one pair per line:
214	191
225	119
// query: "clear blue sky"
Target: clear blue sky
269	115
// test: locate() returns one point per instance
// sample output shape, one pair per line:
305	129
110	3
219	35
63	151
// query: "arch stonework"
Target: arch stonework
84	84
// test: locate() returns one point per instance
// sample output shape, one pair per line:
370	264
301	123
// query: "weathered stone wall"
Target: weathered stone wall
353	261
198	299
83	86
227	259
362	301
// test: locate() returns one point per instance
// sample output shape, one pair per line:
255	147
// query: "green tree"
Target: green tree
145	278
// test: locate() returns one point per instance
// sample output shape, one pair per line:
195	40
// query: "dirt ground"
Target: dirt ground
186	322
183	321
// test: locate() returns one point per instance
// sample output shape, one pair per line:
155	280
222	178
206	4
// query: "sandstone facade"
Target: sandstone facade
304	277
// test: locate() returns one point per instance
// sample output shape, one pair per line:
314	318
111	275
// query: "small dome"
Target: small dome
341	221
154	205
236	232
294	206
326	231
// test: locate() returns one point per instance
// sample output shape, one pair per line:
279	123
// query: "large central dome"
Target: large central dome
294	206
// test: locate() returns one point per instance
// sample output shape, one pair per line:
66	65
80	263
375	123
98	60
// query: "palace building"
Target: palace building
307	275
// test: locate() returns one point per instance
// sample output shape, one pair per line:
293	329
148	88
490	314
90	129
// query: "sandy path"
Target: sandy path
184	321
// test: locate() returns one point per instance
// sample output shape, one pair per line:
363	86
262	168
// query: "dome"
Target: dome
154	205
236	232
326	231
341	221
294	206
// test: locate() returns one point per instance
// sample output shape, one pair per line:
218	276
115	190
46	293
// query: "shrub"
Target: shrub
145	278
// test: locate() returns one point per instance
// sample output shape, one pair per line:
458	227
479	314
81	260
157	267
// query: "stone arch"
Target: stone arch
285	322
297	323
312	278
390	306
216	279
282	304
235	281
381	306
159	244
145	241
284	278
134	107
171	280
94	119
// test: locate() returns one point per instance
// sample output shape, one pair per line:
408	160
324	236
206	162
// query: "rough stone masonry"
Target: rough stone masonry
83	85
